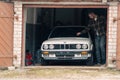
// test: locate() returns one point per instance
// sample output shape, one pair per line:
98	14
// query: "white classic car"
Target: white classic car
64	44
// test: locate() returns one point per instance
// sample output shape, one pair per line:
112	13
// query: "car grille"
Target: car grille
64	46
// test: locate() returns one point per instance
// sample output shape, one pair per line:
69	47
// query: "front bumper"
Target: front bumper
66	55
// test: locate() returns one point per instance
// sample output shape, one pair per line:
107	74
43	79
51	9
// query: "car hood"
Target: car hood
70	40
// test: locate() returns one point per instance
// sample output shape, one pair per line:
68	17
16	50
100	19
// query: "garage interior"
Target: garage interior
40	21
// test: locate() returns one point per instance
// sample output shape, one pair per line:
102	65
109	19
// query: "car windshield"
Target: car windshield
67	32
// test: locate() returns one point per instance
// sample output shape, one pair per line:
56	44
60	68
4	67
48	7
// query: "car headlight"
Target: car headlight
84	46
78	46
51	46
45	46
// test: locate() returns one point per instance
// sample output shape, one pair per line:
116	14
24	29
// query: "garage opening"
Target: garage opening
40	22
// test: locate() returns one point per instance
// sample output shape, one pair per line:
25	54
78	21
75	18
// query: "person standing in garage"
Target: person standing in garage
98	25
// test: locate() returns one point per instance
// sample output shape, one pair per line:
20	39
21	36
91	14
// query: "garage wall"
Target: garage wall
17	34
30	29
66	15
30	16
112	35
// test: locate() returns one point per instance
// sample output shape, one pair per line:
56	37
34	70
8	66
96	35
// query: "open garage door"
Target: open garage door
6	34
44	19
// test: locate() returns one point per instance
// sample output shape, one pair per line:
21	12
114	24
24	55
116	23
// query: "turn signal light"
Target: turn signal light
84	53
45	53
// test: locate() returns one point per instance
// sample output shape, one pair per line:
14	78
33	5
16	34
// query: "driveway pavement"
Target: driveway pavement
60	73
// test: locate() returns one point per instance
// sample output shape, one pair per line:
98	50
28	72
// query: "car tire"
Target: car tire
43	62
89	62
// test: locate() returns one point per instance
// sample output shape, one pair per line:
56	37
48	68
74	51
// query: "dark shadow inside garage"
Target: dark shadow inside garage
40	21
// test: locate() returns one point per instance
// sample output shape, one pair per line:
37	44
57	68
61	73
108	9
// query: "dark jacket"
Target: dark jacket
98	26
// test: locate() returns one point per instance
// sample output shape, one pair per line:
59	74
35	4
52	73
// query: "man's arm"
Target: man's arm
83	31
87	29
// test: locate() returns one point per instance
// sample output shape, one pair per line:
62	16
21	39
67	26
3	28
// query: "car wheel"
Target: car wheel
43	62
89	62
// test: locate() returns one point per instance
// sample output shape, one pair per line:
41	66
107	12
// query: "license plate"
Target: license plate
52	55
77	55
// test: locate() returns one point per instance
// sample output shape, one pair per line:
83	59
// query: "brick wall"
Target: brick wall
111	36
17	33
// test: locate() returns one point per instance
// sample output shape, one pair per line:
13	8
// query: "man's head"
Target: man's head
92	15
